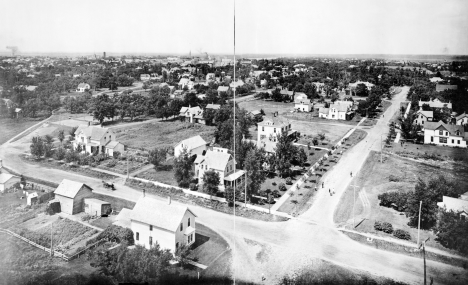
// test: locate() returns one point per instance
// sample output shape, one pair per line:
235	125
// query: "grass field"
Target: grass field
165	173
11	127
162	134
373	179
437	153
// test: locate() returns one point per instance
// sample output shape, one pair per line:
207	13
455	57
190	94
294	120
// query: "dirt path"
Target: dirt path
284	246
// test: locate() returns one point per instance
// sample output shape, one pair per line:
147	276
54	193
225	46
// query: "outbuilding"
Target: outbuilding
31	198
7	181
71	195
96	207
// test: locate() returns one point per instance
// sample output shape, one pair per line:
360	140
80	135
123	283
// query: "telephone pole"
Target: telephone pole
419	220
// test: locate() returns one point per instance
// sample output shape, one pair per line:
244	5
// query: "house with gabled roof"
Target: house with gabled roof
7	181
71	195
94	139
435	103
221	161
195	146
269	130
82	87
462	119
154	221
423	116
340	110
440	133
457	205
223	89
302	103
192	115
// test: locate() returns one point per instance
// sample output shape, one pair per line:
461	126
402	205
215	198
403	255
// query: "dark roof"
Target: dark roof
450	128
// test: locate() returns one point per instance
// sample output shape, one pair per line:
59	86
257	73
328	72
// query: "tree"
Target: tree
211	182
255	174
126	265
409	130
182	253
301	157
61	136
37	147
230	191
276	95
157	155
285	151
361	90
183	168
102	107
429	193
452	231
48	145
72	132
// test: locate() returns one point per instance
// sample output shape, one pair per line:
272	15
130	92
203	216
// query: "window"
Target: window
274	130
422	122
137	236
432	139
104	138
443	140
206	167
263	129
188	222
453	141
177	245
150	241
441	133
82	139
151	227
181	226
458	142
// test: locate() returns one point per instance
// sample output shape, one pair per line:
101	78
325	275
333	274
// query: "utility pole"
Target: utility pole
51	227
381	148
354	205
245	184
127	165
423	245
419	220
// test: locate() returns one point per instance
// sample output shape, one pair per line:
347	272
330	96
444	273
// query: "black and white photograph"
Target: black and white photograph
278	142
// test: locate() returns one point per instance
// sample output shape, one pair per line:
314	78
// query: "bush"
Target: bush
393	178
193	187
378	225
112	163
86	218
273	183
289	181
401	234
114	233
282	187
394	198
387	228
116	154
71	156
59	153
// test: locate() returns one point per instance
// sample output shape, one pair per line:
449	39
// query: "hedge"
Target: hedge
401	234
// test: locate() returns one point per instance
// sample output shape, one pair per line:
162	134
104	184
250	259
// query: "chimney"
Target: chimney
169	200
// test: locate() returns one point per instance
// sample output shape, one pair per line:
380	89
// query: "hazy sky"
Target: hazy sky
262	26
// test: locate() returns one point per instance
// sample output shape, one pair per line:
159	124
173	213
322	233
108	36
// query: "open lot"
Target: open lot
269	107
162	134
11	127
373	179
423	151
164	174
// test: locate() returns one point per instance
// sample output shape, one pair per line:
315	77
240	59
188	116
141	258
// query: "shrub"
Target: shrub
387	228
401	234
71	156
193	187
289	181
378	225
83	159
282	187
86	217
59	153
393	178
112	163
116	154
99	158
273	183
394	198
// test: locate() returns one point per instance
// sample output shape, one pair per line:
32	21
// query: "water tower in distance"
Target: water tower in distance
13	49
104	55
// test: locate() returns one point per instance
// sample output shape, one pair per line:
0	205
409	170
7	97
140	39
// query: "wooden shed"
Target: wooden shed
71	195
96	207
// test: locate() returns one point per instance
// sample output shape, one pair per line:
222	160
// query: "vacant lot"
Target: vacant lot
436	153
269	107
162	134
373	179
164	174
11	127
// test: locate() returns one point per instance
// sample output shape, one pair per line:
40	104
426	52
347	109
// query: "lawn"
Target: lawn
302	198
162	134
11	127
313	117
269	107
423	151
164	174
373	179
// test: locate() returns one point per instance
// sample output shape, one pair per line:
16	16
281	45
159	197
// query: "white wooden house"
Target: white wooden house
440	133
82	87
96	139
195	146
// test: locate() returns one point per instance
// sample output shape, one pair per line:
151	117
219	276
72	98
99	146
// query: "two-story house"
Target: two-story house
192	115
168	224
302	103
440	133
423	116
95	139
340	110
221	161
145	77
269	130
223	89
436	103
185	82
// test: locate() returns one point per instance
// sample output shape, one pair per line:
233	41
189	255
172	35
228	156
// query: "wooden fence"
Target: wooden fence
55	253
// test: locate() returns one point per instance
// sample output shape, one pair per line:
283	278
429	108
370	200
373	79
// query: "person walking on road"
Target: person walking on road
329	191
322	185
351	174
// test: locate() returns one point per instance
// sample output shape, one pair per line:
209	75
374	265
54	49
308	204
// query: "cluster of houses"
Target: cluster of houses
97	140
151	220
439	133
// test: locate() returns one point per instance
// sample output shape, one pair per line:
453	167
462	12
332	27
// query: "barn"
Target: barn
96	207
71	195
